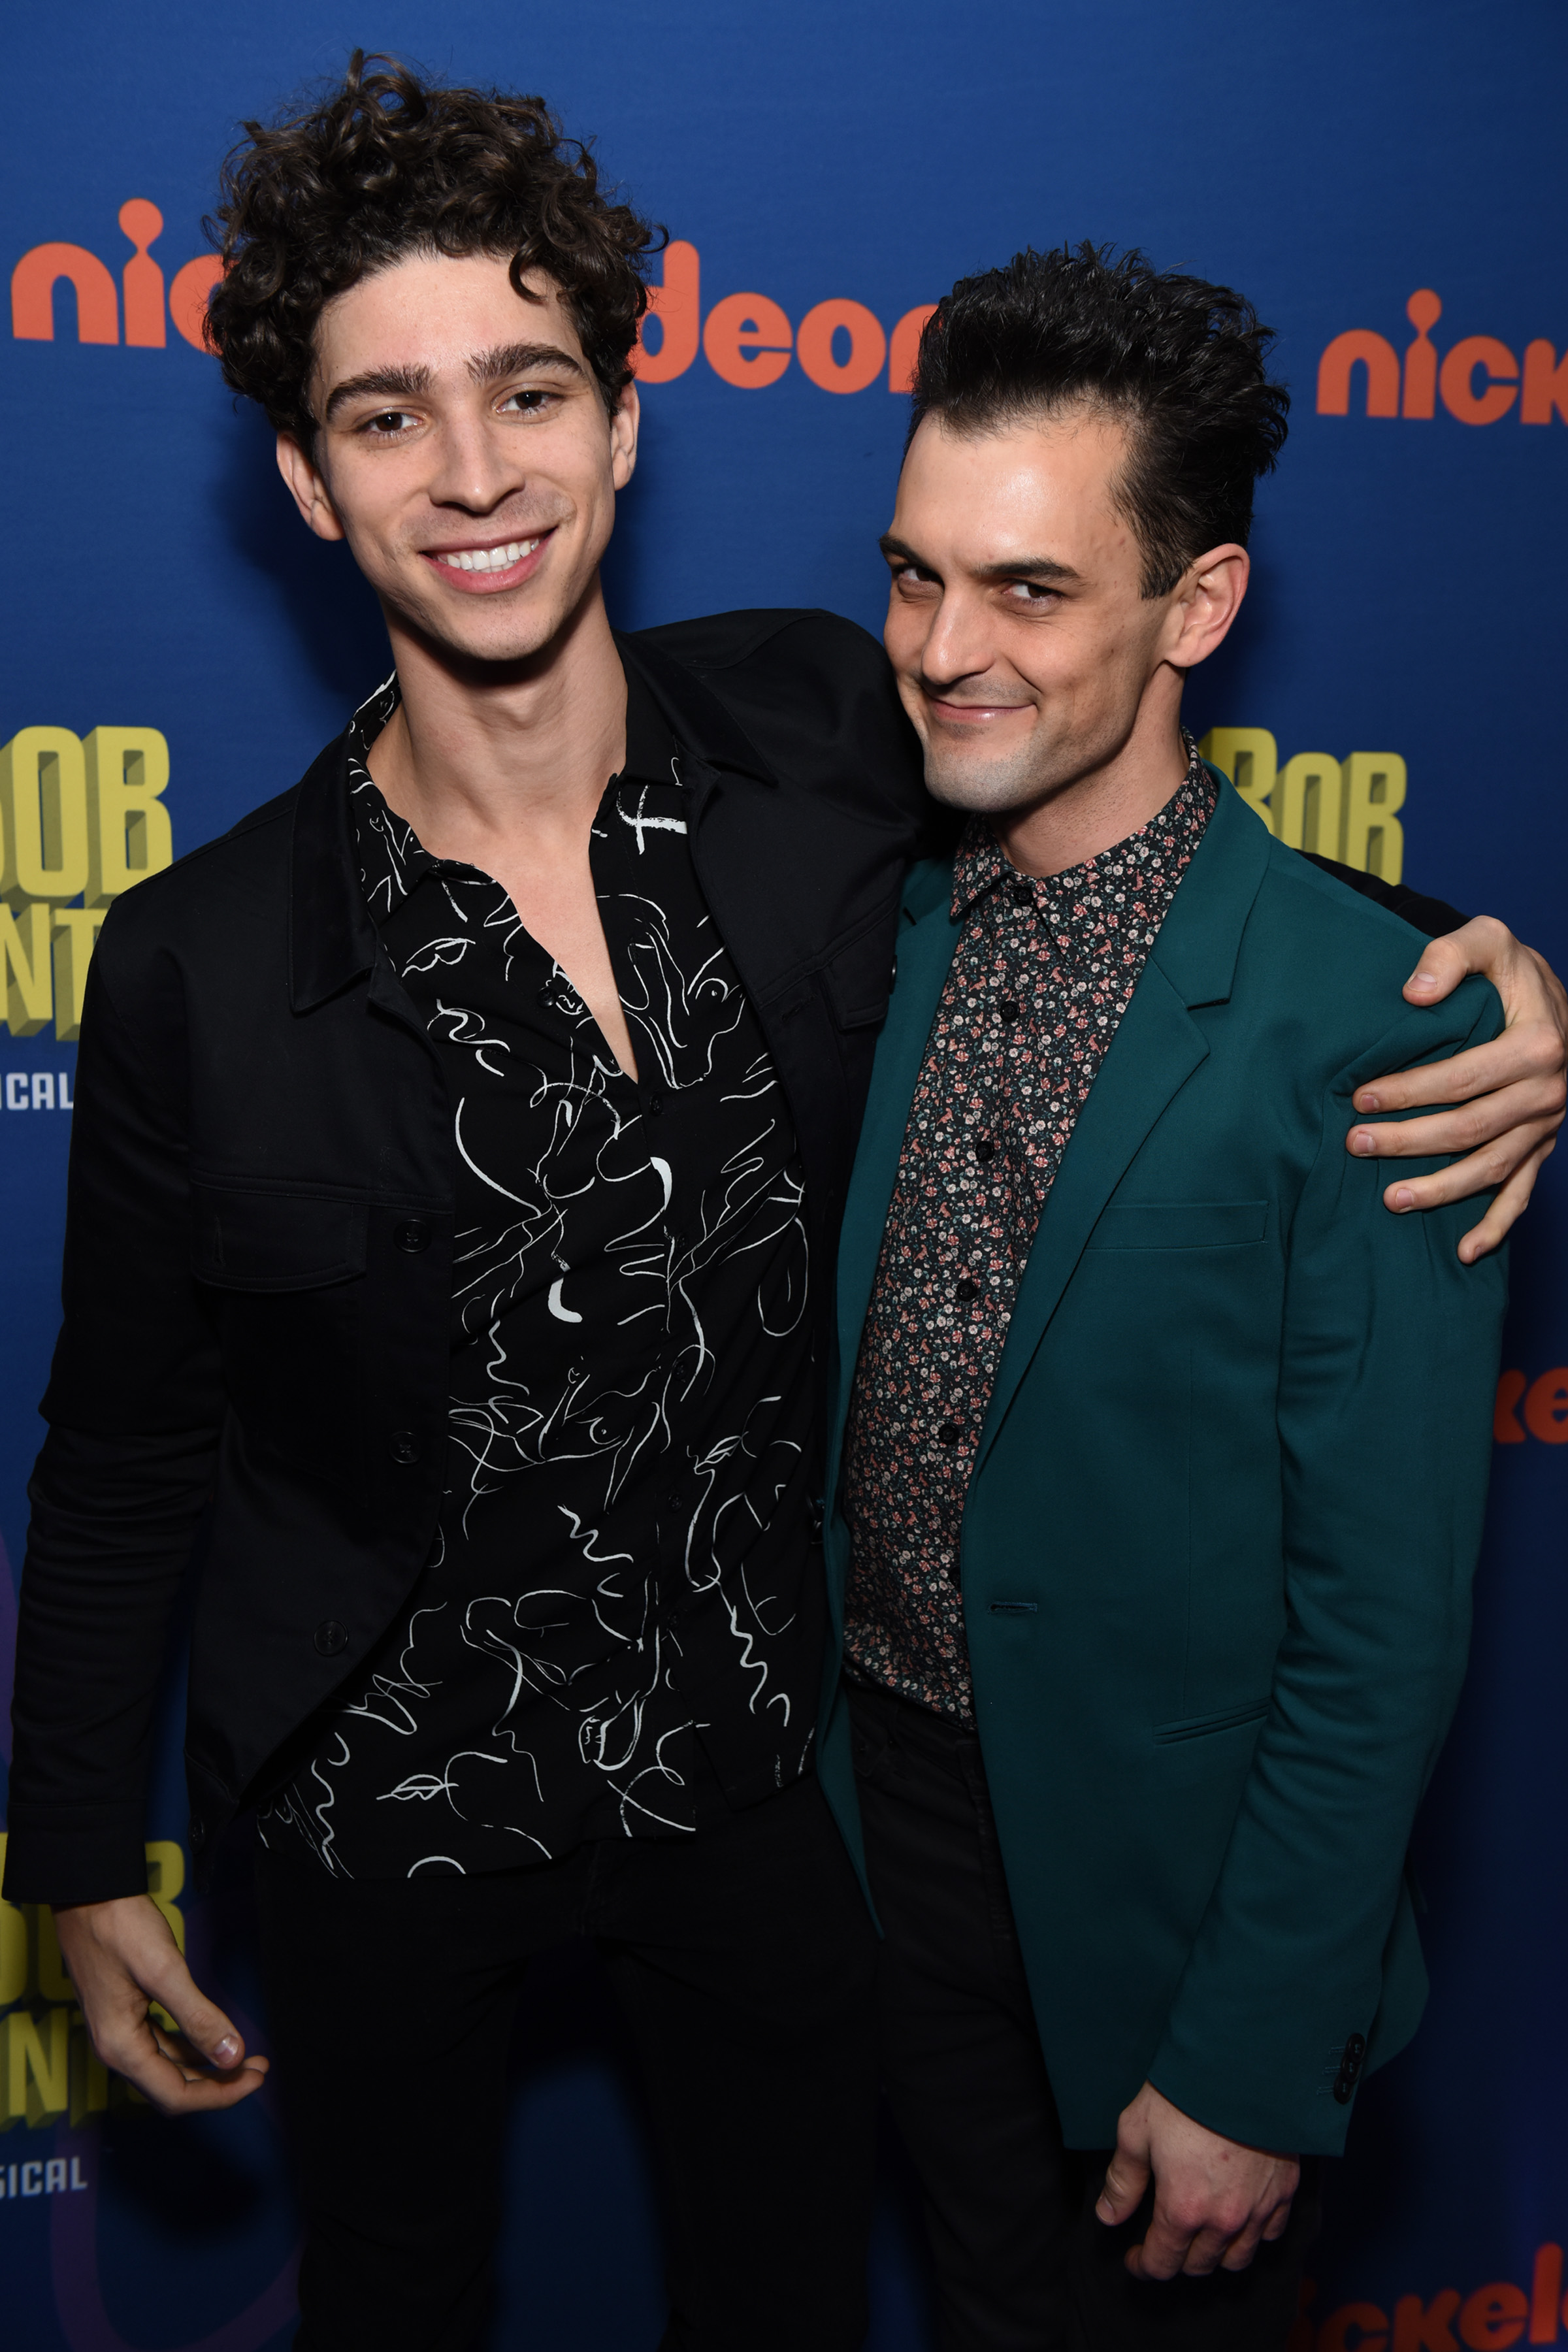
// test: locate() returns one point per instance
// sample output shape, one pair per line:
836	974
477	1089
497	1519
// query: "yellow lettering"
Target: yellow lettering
37	2071
25	968
76	936
13	1945
128	833
1250	758
1374	788
1308	804
43	811
165	1877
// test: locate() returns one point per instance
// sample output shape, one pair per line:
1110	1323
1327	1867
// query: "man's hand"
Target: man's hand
1215	2200
122	1957
1512	1090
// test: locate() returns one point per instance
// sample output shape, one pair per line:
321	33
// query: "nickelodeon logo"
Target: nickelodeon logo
98	298
1478	380
748	341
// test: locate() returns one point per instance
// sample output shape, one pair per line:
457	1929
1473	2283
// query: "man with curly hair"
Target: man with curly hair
466	1323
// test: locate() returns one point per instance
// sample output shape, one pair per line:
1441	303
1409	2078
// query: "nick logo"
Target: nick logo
1478	380
98	298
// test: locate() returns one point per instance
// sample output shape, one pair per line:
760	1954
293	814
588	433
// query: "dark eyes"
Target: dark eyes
389	423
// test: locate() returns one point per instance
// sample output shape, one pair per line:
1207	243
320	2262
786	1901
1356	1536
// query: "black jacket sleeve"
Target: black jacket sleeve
1430	915
134	1406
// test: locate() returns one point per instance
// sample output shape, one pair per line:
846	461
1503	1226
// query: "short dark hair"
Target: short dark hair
1181	360
384	166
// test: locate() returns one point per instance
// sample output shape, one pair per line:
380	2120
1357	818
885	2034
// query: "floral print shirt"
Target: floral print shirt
1043	971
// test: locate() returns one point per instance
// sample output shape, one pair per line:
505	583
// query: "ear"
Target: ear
623	424
311	495
1207	603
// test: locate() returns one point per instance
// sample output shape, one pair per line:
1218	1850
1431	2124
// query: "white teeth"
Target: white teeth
489	559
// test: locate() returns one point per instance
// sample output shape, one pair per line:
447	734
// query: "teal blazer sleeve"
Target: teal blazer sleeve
1387	1366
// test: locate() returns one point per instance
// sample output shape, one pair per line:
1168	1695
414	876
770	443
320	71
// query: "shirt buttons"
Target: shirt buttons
949	1432
1022	894
968	1287
656	1105
1009	1008
405	1446
330	1637
413	1234
984	1149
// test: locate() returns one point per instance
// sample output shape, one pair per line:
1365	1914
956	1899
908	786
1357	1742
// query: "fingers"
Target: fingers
1126	2178
1511	1122
128	1972
205	2030
1507	1207
1498	1165
1447	961
1172	2244
1195	2245
1526	1063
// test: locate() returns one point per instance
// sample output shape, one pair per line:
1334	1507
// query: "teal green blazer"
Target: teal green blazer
1217	1547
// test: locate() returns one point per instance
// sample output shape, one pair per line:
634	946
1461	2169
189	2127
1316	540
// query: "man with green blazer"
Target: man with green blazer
1159	1446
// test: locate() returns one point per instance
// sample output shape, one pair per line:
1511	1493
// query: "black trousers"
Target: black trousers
1022	2264
743	1960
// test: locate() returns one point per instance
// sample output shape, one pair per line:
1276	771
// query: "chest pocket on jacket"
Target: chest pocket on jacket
1180	1225
260	1241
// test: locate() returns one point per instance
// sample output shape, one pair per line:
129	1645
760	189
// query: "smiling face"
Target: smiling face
464	451
1025	654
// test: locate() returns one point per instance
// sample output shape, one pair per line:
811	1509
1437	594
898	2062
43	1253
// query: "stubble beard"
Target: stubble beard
999	782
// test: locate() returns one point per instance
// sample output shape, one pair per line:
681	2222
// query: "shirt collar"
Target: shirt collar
391	860
981	863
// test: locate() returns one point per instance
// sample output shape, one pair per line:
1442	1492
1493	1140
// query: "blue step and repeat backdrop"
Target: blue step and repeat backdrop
1388	182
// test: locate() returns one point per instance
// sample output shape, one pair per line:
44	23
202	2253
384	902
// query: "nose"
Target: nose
476	465
959	644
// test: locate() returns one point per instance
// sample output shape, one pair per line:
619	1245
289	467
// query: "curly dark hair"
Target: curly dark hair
1181	360
384	166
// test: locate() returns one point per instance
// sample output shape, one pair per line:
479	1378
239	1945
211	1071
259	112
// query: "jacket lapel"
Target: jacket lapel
1154	1052
927	936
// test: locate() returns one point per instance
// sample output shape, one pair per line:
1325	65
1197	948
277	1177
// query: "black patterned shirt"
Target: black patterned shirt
601	1642
1042	974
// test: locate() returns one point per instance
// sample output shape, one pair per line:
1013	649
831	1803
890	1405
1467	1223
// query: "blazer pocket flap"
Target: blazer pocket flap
274	1240
1199	1726
1180	1225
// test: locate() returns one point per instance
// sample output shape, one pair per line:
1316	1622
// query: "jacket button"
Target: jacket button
405	1446
330	1637
413	1234
1344	2087
1355	2049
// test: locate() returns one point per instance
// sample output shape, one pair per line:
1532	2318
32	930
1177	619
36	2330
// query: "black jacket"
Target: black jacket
259	1240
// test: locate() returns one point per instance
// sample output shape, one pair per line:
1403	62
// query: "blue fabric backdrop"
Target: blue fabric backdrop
1335	162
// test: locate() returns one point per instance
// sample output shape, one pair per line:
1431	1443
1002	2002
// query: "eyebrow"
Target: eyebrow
484	367
1024	567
